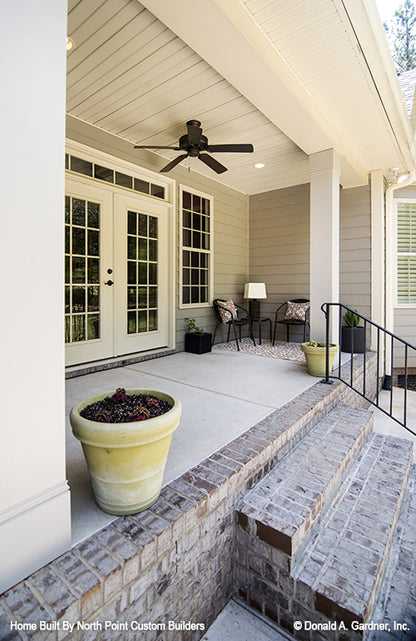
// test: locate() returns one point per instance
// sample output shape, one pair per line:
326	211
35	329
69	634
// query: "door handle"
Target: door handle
109	283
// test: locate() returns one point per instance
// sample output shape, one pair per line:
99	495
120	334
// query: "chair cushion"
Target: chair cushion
296	311
227	310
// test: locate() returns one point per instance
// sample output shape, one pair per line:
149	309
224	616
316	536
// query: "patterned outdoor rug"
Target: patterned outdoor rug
286	351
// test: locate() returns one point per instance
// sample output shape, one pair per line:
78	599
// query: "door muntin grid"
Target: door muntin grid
142	273
82	270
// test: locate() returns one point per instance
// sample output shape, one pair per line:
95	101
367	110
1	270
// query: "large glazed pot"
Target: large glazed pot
126	461
316	358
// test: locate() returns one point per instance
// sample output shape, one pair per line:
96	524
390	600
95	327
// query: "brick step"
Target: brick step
344	564
281	508
339	567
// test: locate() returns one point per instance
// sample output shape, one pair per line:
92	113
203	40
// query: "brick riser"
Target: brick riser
362	610
267	579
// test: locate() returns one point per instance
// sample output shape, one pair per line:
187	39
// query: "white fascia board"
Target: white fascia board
270	84
373	43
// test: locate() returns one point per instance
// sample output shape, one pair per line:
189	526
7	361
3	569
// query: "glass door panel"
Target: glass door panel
88	226
82	256
141	289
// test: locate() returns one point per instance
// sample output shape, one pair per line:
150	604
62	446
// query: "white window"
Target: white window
406	253
196	240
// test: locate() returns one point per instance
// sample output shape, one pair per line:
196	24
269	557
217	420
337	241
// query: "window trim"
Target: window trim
210	252
397	305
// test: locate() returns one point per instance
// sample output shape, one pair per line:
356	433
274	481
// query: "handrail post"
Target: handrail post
327	344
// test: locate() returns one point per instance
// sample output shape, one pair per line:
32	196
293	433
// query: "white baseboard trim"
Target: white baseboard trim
34	532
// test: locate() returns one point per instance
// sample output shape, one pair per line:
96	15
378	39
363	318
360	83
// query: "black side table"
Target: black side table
260	321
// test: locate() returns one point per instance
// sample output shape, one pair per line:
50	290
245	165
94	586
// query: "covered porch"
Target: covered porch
223	394
311	138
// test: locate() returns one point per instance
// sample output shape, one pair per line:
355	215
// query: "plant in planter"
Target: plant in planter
315	354
125	437
196	340
352	336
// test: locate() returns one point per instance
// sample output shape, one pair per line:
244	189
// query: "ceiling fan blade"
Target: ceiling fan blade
156	147
174	162
194	132
212	163
231	148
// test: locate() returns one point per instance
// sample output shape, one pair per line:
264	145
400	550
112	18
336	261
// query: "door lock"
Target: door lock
109	283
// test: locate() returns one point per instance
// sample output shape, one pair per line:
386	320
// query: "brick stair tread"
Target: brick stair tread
344	564
281	508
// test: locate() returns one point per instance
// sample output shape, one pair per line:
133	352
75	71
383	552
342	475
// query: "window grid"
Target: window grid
82	283
196	248
95	170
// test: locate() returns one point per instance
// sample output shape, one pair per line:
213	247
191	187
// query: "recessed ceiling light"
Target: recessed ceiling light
69	43
259	165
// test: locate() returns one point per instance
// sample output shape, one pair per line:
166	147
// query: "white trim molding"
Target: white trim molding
33	532
391	253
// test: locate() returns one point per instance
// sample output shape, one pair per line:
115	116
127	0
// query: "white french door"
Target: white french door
141	277
116	273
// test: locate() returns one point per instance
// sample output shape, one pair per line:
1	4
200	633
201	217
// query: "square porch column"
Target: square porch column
35	524
324	240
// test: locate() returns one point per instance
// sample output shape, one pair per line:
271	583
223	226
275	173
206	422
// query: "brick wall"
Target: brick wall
174	562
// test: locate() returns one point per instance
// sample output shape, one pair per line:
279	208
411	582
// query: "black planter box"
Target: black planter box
198	343
350	345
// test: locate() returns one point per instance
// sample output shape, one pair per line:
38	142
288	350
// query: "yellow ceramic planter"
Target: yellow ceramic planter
126	461
316	358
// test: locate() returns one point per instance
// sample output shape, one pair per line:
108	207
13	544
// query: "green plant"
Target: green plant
315	344
192	326
352	319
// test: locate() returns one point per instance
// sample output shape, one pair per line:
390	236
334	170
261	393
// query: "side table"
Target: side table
260	321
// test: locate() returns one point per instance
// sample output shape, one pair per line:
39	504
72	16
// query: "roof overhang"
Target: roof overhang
277	91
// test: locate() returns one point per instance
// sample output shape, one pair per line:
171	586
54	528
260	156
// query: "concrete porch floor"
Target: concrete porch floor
223	394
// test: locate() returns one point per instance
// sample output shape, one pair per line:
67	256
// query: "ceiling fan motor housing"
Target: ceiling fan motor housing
193	150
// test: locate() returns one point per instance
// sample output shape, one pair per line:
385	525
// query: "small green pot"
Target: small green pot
126	461
316	358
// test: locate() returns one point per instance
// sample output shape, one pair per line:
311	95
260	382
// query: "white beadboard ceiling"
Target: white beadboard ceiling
131	75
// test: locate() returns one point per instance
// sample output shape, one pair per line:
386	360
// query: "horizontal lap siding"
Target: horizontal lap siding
355	249
279	245
230	222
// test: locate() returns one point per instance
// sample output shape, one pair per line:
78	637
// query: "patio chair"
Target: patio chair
292	312
231	314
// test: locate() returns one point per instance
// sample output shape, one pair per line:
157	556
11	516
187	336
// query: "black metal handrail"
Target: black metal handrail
388	379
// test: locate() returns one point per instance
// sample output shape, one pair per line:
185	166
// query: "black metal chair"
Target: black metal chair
229	313
287	314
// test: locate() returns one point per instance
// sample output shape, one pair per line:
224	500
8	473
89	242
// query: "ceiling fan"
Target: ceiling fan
195	144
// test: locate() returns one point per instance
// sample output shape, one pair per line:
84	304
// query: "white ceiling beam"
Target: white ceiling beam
223	33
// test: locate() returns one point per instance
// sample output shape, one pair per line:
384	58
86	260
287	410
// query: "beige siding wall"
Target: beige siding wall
355	249
230	222
405	317
279	245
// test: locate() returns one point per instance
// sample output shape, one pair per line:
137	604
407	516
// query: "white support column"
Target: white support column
34	495
324	240
377	261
